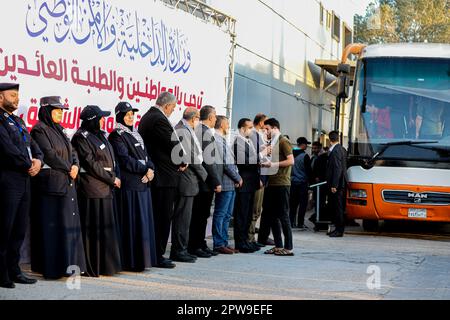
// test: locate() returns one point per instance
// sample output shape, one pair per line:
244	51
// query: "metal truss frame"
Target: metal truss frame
223	21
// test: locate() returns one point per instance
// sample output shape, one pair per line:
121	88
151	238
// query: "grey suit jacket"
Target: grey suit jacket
195	173
230	174
211	159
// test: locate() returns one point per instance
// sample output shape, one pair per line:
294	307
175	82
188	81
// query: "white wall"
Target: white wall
275	59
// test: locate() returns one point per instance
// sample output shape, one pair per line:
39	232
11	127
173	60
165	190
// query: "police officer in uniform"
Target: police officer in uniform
20	158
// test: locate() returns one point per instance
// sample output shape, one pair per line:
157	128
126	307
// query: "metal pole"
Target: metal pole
342	122
322	85
318	185
318	204
336	114
230	86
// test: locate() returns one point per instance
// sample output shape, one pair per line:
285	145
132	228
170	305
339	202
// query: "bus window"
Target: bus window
379	121
429	119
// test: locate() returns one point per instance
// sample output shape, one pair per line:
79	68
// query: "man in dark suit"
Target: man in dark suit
162	142
188	187
20	159
203	201
246	157
336	183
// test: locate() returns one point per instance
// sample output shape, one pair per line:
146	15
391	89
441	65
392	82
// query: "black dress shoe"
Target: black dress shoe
183	258
192	256
259	244
246	249
336	234
7	285
165	264
211	252
253	246
23	279
200	253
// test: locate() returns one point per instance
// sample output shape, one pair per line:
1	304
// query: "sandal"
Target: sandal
283	252
274	250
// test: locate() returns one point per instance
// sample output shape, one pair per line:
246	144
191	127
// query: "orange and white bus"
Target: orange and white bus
399	134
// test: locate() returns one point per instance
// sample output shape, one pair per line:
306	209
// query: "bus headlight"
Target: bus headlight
359	193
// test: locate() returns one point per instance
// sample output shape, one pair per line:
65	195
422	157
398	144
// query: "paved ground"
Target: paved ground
322	268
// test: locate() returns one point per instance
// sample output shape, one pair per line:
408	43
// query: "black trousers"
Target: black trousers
243	214
276	201
201	211
164	210
14	212
336	206
180	225
298	202
264	223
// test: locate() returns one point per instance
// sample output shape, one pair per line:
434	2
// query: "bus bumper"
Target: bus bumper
375	207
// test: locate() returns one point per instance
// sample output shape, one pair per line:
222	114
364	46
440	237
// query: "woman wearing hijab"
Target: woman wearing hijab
134	200
56	240
98	178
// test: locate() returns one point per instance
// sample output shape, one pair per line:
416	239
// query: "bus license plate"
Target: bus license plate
417	213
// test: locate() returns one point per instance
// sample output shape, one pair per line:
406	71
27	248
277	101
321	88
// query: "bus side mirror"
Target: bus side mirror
343	81
343	84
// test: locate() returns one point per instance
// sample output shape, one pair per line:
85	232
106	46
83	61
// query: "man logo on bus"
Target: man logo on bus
418	196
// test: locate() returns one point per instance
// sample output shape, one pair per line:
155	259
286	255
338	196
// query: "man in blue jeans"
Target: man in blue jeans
224	202
301	176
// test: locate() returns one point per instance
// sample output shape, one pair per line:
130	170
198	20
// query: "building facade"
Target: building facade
278	42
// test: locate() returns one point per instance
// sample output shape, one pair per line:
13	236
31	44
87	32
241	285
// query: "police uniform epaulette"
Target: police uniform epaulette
85	133
16	119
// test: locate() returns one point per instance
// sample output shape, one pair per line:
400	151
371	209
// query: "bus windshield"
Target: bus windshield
402	99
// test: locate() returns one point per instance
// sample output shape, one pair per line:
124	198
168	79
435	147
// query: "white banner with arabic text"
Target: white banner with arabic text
105	51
